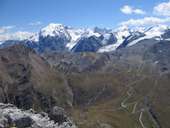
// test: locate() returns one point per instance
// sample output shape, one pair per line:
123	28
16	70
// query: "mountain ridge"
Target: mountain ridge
59	38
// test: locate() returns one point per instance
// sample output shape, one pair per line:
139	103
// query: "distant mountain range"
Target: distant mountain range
60	38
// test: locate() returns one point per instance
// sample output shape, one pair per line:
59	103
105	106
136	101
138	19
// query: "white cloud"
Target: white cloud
145	21
4	29
6	34
20	35
35	23
162	9
130	10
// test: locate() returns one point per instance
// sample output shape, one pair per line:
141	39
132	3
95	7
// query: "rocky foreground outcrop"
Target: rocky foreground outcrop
11	116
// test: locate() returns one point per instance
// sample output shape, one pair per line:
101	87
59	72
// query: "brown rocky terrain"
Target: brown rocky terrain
27	80
124	89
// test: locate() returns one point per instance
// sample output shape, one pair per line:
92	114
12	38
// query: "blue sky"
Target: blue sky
31	15
78	13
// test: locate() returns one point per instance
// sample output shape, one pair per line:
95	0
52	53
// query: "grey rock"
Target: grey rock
58	115
11	116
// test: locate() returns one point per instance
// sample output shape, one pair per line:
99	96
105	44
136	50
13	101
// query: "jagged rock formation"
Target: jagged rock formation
11	116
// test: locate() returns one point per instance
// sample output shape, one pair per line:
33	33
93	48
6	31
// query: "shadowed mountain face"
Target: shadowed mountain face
27	81
123	89
91	44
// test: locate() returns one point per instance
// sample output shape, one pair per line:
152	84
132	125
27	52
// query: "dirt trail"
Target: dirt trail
131	93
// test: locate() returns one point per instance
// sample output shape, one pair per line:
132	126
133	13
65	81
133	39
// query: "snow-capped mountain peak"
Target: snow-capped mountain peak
156	31
57	37
120	33
75	34
54	30
89	32
34	38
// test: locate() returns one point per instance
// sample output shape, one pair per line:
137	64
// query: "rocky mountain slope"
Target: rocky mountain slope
27	80
124	89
